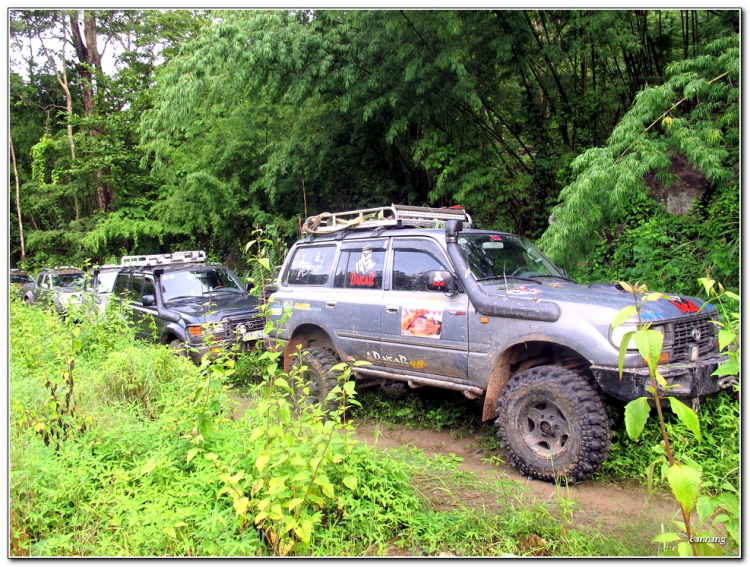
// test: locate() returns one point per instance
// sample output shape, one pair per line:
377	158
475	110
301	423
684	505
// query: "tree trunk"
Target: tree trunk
18	200
90	59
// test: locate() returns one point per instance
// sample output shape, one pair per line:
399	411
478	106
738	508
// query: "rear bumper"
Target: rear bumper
693	380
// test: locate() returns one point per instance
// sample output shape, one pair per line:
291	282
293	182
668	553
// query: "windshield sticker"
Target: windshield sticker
523	290
495	237
650	316
684	305
462	240
417	322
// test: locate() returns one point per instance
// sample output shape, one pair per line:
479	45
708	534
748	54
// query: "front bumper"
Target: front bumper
197	352
693	380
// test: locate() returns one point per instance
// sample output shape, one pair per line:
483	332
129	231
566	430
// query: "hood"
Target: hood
217	307
601	295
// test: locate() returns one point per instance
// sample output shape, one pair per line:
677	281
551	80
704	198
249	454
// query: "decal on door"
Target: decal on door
418	322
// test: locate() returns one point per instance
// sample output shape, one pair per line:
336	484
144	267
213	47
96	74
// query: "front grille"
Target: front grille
683	336
251	324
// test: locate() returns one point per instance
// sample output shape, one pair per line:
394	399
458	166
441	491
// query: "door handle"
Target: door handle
331	304
391	308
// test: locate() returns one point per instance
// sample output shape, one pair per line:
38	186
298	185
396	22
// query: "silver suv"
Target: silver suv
431	301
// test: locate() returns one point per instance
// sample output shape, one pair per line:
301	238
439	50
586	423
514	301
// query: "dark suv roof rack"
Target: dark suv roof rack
67	268
395	216
191	257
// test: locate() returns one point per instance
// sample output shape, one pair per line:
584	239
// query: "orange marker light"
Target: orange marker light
663	357
195	330
484	320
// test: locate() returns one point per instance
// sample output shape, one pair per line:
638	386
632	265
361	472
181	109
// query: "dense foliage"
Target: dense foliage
213	123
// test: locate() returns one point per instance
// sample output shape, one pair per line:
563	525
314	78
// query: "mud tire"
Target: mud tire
321	378
178	348
572	441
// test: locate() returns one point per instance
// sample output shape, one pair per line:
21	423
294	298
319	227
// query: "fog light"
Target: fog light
216	350
694	352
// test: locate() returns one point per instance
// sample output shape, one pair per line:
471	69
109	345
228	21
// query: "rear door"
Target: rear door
423	330
356	298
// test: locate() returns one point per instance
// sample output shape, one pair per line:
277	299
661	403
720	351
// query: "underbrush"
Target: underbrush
118	448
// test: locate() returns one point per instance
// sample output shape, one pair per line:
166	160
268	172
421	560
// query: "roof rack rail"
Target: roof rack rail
396	216
192	257
67	268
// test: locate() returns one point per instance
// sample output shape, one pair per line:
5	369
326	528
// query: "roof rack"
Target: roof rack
192	257
57	268
396	216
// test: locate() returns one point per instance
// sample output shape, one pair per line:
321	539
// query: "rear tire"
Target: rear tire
318	376
554	424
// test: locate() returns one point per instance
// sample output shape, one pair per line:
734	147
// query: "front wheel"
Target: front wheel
178	348
318	376
554	424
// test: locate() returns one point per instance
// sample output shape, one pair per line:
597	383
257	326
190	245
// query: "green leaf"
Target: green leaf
636	415
708	283
732	295
686	484
685	549
265	263
687	417
705	507
294	503
623	315
649	345
729	368
650	474
261	462
725	338
661	381
653	296
627	287
191	453
666	538
148	467
361	363
211	456
623	350
350	481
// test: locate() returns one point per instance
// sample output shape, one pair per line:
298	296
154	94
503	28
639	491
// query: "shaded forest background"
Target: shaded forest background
611	138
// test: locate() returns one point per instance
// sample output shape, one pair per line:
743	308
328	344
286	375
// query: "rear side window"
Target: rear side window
311	266
121	284
360	268
148	288
135	288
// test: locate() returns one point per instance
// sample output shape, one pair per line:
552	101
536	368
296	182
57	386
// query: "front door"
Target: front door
422	330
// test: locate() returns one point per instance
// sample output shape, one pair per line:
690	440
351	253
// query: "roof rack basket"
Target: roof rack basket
396	216
192	257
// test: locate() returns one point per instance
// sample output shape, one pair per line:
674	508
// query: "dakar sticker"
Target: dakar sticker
399	359
438	280
523	290
363	276
418	322
684	305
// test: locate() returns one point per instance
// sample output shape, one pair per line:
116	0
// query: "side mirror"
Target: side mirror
440	280
269	290
563	271
148	300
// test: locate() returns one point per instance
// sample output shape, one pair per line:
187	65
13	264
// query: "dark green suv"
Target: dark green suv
196	307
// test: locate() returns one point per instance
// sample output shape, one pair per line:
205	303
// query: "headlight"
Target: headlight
216	328
619	333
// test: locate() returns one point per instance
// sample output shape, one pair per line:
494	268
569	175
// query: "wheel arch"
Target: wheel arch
303	336
523	356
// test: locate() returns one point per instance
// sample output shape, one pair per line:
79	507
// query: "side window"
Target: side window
412	259
360	268
135	288
311	266
121	284
148	288
40	279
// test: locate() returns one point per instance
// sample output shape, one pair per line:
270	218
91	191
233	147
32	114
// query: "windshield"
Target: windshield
20	279
504	255
68	280
199	283
106	281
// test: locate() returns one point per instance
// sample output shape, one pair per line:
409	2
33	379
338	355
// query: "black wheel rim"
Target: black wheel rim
543	427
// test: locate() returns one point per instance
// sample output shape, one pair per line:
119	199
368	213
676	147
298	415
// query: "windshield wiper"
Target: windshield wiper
181	297
490	278
554	276
229	290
